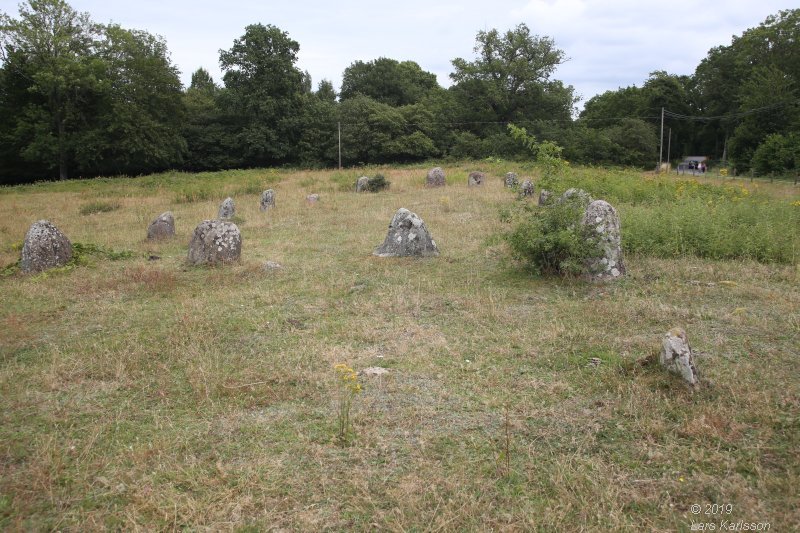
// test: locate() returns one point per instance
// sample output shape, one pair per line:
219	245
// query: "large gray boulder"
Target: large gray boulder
162	227
511	180
408	236
267	199
226	209
435	177
676	356
362	184
602	221
475	179
44	247
215	241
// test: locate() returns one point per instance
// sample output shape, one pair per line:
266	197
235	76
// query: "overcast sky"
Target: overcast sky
610	43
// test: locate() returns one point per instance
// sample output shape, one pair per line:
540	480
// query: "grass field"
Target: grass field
145	394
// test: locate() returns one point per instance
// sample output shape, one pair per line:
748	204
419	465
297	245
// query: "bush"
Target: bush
377	183
552	240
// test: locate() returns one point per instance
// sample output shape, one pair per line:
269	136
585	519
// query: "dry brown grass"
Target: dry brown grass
147	395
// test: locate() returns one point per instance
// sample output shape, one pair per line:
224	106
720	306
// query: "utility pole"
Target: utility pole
661	143
339	127
669	146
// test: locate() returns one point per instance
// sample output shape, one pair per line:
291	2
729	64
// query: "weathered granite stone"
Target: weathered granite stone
603	222
267	199
526	189
511	180
226	209
676	356
578	195
408	236
44	247
312	199
162	227
476	179
362	184
544	197
215	241
435	177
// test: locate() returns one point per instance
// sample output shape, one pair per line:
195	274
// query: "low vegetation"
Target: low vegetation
140	393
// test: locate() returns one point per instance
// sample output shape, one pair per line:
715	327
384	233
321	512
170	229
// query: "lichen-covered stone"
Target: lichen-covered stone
44	247
162	227
527	189
544	197
407	236
267	199
362	184
312	199
677	357
475	179
215	241
603	222
578	195
227	209
435	177
511	180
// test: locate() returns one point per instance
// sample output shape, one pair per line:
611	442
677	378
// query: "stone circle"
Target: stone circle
44	247
215	241
407	236
163	227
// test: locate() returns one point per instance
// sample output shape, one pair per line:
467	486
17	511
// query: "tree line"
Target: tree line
78	98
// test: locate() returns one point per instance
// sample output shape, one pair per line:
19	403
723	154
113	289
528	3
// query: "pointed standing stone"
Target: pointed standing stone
527	189
408	236
511	180
435	177
603	222
475	179
267	199
162	227
362	183
44	247
676	356
226	209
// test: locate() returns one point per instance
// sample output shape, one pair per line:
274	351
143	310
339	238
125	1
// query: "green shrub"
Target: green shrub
552	240
99	207
377	183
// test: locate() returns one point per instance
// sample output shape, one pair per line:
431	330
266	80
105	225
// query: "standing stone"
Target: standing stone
476	179
676	356
215	241
526	189
226	209
162	227
312	199
44	247
435	177
544	197
603	222
511	180
362	184
578	195
407	236
267	199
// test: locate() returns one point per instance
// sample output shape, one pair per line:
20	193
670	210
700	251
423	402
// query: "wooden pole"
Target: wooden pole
661	143
339	127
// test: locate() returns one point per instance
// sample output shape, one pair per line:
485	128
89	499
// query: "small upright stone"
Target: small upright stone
544	197
435	177
312	199
215	241
267	199
362	184
526	189
162	227
511	180
578	195
226	209
408	236
603	222
475	179
44	247
676	356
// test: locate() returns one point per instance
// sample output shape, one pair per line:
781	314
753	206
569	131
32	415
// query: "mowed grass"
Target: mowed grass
145	394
